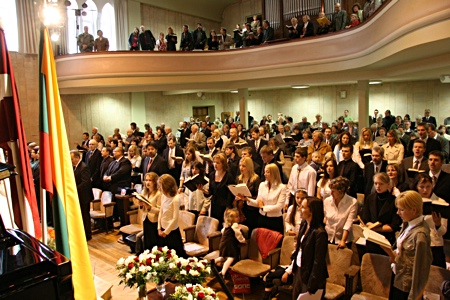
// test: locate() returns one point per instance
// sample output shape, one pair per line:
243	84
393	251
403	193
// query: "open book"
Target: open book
177	158
376	238
142	198
288	139
191	182
240	189
206	157
413	172
323	21
240	145
370	226
439	206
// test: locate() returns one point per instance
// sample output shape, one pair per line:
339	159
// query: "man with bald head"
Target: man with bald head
339	19
85	41
198	137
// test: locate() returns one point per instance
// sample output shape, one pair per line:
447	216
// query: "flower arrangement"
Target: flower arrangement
194	292
192	270
148	266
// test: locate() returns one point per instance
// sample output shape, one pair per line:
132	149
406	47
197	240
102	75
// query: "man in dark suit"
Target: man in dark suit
268	158
146	39
269	33
187	41
256	143
388	119
349	169
210	150
204	129
154	162
93	161
431	144
173	165
377	165
118	175
327	138
429	119
106	161
233	159
304	124
281	135
84	189
199	37
416	162
339	19
248	152
84	147
433	134
373	119
184	133
307	28
440	178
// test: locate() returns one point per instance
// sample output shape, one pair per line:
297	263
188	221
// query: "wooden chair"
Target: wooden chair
252	264
185	219
197	236
287	247
103	208
214	242
436	277
97	196
375	277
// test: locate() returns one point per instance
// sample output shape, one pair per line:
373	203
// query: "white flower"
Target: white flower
190	297
188	285
155	265
161	259
121	261
148	268
194	272
154	273
128	276
208	269
142	269
183	272
171	265
164	249
184	263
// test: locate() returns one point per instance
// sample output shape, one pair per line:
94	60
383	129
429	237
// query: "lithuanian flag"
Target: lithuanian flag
57	176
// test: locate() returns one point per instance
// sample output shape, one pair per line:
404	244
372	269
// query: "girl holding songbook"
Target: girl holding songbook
363	148
195	201
190	158
151	209
379	207
411	255
294	213
168	230
438	225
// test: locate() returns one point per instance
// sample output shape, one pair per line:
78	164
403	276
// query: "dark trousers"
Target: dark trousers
277	274
299	287
272	223
438	257
173	241
150	234
395	293
217	212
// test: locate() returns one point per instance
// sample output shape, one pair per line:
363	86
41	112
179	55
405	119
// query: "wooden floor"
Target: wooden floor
105	251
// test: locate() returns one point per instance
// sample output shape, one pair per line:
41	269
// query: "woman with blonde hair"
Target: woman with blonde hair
363	148
411	258
151	209
135	158
270	200
251	179
217	139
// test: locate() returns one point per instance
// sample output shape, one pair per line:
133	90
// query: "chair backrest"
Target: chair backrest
185	219
138	188
97	193
446	168
106	199
204	227
287	247
376	274
339	261
437	276
253	248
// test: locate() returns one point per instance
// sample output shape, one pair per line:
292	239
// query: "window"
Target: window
73	29
90	20
8	18
108	25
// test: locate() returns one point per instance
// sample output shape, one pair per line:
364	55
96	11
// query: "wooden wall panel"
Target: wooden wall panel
158	20
237	13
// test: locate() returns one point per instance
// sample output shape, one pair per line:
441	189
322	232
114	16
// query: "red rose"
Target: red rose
201	295
141	264
148	261
213	295
191	260
136	259
169	255
130	266
204	263
157	257
188	268
198	269
159	248
179	265
190	289
169	251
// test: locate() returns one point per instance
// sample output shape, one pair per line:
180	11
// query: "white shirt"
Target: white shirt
196	200
273	199
304	177
168	215
298	219
340	218
325	191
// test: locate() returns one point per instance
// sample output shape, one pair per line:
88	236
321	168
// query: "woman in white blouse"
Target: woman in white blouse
294	213
340	212
150	210
270	200
323	186
168	229
362	153
135	158
393	149
190	158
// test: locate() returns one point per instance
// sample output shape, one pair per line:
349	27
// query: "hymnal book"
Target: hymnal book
376	238
206	157
368	154
240	189
371	226
413	172
190	140
288	139
323	21
290	27
240	145
192	182
142	198
439	206
177	158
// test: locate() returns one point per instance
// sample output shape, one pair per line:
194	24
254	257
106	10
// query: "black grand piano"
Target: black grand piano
30	269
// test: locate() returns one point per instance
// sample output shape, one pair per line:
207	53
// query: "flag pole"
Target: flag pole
43	200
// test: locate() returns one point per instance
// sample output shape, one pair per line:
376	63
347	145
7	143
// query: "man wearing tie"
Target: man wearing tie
93	162
118	175
429	119
377	165
173	151
256	143
415	162
349	169
106	161
154	162
211	150
84	189
302	176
